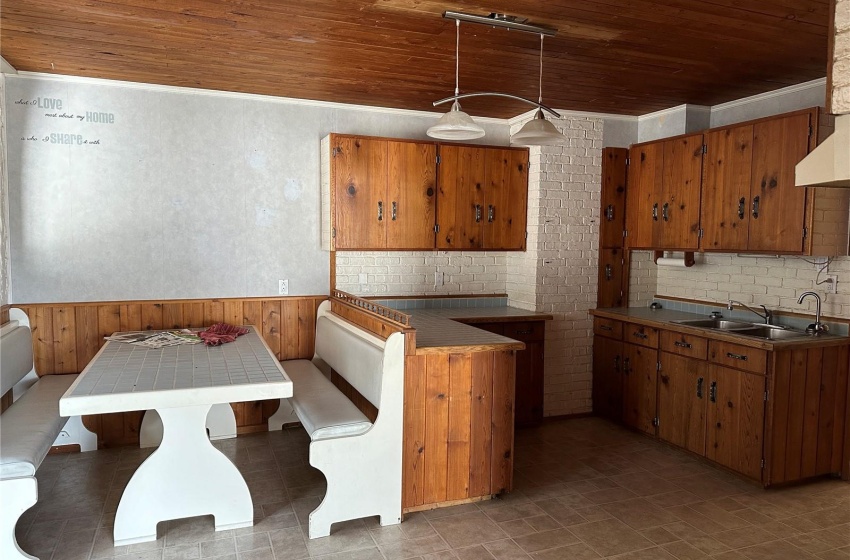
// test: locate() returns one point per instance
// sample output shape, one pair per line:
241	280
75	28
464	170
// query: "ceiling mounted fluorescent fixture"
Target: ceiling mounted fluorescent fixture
456	125
538	131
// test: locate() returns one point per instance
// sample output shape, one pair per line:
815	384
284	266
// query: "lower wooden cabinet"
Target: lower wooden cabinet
735	420
608	378
639	387
775	416
529	367
682	397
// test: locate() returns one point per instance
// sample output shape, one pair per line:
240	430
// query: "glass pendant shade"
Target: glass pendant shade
538	132
455	125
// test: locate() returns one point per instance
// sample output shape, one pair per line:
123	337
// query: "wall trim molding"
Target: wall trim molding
820	82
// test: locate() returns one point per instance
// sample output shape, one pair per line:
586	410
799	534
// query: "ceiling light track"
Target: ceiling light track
537	104
502	20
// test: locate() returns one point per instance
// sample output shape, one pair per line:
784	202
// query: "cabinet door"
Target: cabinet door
613	213
411	190
643	199
682	394
778	208
735	420
506	197
460	204
680	198
608	378
359	190
639	388
529	385
611	278
728	165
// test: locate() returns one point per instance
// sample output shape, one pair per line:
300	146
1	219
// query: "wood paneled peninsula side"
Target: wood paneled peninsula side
773	411
463	385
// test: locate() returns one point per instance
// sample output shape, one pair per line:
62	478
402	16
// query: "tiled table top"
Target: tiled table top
124	375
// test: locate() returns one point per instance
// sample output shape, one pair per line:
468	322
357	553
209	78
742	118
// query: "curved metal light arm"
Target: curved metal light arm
494	94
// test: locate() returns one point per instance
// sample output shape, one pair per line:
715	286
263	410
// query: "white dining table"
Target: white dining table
186	476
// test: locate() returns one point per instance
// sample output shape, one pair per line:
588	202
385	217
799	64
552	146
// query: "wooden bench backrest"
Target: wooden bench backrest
355	354
16	361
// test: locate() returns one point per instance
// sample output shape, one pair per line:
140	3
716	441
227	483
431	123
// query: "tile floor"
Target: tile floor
584	489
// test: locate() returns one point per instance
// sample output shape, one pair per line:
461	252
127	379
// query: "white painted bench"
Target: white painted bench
361	460
28	427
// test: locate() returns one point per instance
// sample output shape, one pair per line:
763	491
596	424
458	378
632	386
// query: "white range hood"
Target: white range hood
829	164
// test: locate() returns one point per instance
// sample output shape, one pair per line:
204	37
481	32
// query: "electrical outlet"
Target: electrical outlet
831	284
439	279
283	287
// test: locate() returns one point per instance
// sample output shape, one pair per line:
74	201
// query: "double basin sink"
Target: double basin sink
755	330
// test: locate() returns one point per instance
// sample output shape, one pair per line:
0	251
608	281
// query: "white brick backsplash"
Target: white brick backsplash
841	61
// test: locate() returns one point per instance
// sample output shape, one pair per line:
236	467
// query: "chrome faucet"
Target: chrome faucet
768	315
817	327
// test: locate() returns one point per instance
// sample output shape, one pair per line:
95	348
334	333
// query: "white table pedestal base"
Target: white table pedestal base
221	424
185	477
18	494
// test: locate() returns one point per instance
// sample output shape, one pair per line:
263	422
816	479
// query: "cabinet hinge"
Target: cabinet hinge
701	232
811	130
628	161
526	234
805	232
438	160
656	422
335	151
705	148
762	463
333	233
625	233
436	228
766	395
657	366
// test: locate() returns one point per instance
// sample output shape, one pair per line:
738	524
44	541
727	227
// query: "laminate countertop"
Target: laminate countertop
440	331
667	319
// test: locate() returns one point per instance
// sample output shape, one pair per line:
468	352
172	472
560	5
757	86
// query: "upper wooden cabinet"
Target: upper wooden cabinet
482	198
380	193
664	194
732	189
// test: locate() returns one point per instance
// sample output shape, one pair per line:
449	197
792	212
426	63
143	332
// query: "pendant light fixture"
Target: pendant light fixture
456	125
538	131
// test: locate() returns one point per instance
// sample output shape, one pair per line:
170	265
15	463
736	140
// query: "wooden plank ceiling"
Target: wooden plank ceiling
618	56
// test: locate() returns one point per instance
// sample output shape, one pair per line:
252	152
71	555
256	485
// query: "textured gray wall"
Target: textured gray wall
187	195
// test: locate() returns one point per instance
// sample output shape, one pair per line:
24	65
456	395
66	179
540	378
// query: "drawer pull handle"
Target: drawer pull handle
606	328
700	381
736	356
756	201
617	363
609	272
529	331
395	210
626	365
477	213
655	212
665	212
683	344
712	392
640	335
609	213
741	208
491	213
380	211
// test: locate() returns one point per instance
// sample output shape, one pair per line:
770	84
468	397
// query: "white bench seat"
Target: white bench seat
324	412
30	425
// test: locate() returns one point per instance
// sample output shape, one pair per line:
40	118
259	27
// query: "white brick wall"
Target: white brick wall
774	282
402	273
558	273
643	279
841	60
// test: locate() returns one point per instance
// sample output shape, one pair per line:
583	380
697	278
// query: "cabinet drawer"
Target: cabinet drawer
684	344
737	356
639	334
527	331
608	328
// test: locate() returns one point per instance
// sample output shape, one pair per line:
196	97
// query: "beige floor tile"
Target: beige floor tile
477	552
182	552
675	498
609	495
654	553
610	537
775	550
289	544
659	535
561	513
219	547
639	513
683	551
505	549
467	529
410	548
514	511
837	554
365	554
645	484
739	538
578	551
546	540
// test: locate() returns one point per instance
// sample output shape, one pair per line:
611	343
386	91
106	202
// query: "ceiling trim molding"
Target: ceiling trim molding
566	113
240	95
820	82
6	68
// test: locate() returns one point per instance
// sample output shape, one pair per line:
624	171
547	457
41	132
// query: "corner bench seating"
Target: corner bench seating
28	427
361	460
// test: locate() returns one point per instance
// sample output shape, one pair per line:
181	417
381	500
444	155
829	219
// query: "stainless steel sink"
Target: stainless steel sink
770	332
721	324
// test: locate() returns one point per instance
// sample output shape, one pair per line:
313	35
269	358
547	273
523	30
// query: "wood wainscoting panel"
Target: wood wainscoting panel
66	336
